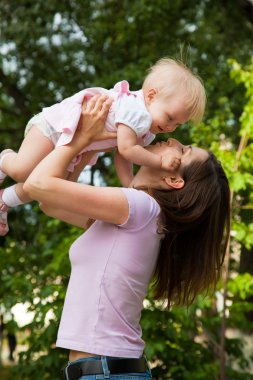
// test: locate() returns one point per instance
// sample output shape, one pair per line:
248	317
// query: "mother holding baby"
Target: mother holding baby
169	226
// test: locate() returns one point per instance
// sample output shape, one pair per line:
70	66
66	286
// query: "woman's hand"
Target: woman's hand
91	124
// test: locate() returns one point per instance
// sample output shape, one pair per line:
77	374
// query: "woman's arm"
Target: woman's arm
86	157
63	199
46	184
65	216
123	168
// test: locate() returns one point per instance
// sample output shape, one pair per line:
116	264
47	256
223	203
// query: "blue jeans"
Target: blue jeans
106	375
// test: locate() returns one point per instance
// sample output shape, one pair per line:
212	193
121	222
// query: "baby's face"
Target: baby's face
167	113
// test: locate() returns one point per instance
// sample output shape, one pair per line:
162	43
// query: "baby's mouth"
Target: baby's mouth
160	128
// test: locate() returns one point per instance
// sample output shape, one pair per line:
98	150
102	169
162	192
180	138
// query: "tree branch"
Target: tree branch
247	6
13	91
242	145
12	111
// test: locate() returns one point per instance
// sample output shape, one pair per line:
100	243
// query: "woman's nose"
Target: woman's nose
174	142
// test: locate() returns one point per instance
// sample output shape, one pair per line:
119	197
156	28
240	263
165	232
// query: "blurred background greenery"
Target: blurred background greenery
52	49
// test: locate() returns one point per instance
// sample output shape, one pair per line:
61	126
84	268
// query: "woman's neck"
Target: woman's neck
144	180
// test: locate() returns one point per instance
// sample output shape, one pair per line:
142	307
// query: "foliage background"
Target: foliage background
51	49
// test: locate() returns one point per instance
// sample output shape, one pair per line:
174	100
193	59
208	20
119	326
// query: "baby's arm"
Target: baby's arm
124	169
128	147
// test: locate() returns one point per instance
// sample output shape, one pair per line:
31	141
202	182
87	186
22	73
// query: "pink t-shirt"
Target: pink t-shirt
112	266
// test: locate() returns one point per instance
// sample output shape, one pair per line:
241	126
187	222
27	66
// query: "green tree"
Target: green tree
49	50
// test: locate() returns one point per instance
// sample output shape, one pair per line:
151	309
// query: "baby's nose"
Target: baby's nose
171	128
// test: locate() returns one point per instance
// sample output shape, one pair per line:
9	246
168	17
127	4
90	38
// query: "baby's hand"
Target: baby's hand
170	161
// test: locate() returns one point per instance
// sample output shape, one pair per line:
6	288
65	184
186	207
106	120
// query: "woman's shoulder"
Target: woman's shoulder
142	206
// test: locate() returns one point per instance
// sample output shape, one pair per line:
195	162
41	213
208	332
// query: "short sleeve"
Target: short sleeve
147	138
143	209
131	111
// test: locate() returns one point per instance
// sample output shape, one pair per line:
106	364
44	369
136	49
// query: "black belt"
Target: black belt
115	366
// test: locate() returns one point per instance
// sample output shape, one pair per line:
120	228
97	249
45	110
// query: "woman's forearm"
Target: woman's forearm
86	158
123	168
53	166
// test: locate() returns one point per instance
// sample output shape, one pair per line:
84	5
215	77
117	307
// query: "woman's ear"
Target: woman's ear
150	95
174	182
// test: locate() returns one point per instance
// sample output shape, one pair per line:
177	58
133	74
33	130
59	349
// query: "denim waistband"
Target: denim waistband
104	365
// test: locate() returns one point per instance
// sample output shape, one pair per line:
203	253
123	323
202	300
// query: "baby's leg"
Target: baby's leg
33	149
10	197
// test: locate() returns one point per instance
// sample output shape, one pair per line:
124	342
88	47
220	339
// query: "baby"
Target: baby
170	96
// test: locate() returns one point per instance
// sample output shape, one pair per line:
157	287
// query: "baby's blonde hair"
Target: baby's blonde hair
170	76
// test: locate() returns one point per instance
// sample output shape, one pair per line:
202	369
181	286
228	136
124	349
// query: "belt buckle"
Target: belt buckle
74	372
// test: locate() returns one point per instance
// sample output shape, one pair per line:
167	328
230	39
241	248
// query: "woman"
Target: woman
170	225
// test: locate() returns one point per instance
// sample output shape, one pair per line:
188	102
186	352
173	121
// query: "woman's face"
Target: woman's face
186	153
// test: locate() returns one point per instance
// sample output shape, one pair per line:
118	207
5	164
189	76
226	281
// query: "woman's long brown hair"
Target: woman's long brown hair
196	223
